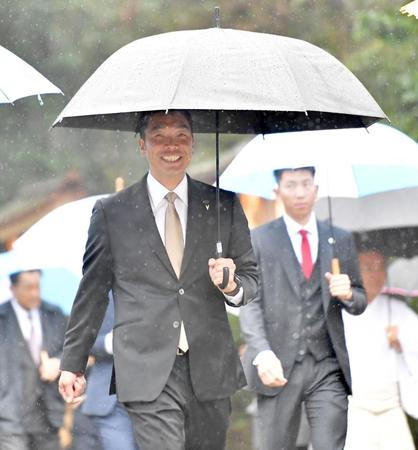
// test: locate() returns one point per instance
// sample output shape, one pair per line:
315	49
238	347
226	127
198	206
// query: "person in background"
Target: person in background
31	340
294	331
385	336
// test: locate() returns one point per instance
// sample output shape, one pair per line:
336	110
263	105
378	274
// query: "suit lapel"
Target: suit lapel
325	256
144	220
281	241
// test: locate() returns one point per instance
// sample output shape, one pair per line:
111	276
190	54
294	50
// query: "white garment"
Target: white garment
293	230
157	193
376	419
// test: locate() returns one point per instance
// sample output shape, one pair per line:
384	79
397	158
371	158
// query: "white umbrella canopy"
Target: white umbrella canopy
59	238
260	82
350	163
18	79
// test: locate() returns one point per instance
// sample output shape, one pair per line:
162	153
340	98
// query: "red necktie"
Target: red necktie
307	265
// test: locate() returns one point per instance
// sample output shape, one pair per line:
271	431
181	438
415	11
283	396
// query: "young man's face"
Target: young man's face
298	193
27	290
167	144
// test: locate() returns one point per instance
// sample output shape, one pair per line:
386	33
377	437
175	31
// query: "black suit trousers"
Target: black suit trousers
177	420
320	385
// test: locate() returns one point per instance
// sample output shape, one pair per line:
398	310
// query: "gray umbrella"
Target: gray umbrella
387	221
231	81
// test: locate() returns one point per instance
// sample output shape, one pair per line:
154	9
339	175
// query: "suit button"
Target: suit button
181	291
176	324
295	335
301	352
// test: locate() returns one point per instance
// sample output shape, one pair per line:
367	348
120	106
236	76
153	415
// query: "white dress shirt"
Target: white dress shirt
157	193
24	321
293	230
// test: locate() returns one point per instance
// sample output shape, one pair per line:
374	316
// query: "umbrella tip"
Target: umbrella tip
217	16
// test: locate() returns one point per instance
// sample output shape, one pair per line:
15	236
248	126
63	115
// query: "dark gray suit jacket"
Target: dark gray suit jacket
125	253
272	321
13	393
98	402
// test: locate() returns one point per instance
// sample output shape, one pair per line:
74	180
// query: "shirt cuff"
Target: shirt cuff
108	343
237	298
263	357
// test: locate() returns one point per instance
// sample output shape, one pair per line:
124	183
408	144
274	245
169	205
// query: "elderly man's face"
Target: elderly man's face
167	145
27	290
373	272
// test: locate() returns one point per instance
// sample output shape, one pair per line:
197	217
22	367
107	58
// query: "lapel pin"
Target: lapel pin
206	203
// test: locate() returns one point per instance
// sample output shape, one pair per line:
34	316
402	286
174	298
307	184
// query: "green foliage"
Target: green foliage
68	39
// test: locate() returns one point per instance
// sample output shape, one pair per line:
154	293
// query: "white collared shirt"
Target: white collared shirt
293	229
157	193
24	321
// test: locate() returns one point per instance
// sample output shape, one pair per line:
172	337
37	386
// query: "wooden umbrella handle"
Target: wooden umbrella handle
335	266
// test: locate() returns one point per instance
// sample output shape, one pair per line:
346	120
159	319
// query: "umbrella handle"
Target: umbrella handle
225	270
225	279
335	266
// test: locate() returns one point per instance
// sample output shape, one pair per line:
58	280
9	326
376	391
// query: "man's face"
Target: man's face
27	291
298	193
373	272
167	144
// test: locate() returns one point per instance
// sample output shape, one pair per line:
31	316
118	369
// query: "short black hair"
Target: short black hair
279	172
14	277
146	117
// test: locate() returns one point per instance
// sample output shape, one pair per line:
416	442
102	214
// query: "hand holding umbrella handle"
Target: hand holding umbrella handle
225	270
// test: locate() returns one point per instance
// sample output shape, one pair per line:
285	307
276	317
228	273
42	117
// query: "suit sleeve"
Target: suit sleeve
92	297
252	318
358	302
241	252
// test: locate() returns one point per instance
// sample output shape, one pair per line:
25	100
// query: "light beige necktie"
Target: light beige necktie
174	244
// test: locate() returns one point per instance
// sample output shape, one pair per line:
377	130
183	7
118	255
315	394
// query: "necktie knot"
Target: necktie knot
304	233
171	197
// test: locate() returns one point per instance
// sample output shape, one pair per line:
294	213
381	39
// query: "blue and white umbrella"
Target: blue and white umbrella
350	163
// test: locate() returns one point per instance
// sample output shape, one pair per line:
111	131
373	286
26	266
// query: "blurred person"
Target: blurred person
387	331
294	330
175	362
109	417
31	339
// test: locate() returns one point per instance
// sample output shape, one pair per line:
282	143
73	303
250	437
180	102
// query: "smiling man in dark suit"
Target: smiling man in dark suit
294	331
175	361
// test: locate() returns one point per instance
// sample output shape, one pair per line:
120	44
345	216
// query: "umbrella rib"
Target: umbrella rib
175	83
291	75
7	97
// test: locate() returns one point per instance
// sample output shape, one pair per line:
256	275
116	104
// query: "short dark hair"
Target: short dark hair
146	117
279	172
14	277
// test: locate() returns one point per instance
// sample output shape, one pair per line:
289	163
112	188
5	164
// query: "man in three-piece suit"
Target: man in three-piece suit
31	339
296	349
175	362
